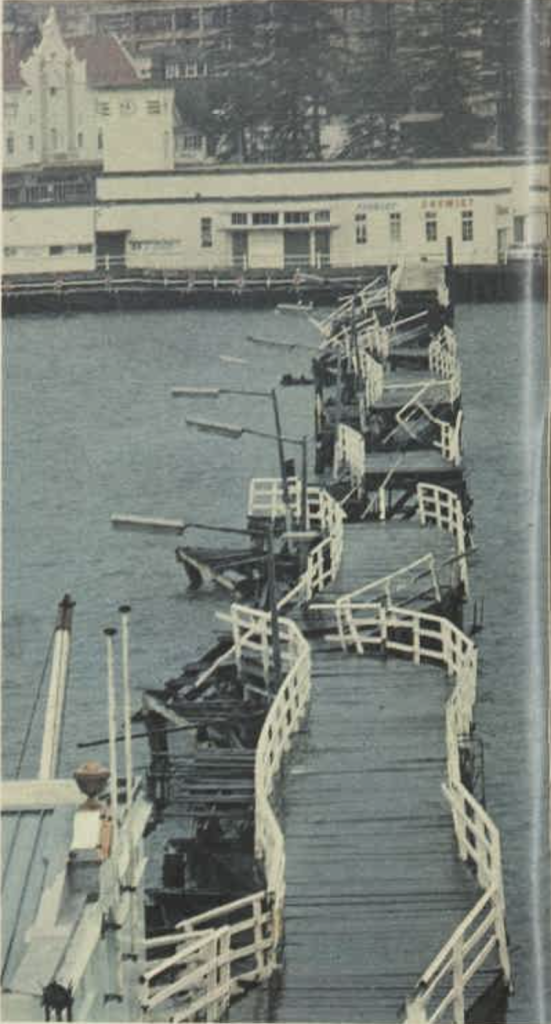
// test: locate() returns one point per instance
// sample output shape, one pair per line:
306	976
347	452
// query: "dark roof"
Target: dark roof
107	63
14	51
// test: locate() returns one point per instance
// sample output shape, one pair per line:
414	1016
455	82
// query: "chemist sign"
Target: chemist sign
449	202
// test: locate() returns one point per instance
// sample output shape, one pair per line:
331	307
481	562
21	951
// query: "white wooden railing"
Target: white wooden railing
220	950
349	457
438	506
440	994
416	408
266	498
323	562
390	588
374	294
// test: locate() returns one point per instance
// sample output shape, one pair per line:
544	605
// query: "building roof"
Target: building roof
14	51
107	62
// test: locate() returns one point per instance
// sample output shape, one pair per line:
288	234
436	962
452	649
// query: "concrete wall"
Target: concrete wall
31	234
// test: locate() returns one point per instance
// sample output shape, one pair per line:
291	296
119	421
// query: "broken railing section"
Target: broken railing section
214	955
441	992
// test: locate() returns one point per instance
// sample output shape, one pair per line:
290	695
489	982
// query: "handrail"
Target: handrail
424	636
384	584
441	507
248	929
349	453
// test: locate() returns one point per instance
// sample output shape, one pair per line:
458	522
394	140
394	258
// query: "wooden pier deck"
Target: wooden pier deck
374	883
373	550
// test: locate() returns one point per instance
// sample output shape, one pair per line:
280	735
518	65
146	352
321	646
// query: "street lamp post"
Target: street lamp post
236	431
214	392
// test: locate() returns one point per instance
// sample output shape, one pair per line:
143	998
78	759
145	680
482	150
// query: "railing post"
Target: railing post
502	944
416	640
458	983
382	504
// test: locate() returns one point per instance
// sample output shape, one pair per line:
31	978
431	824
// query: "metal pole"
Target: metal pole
125	614
280	448
273	610
304	483
110	633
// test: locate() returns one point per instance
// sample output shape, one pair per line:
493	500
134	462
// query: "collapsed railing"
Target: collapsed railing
374	294
236	944
432	638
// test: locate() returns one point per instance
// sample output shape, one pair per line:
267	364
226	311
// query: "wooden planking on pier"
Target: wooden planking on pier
374	884
373	550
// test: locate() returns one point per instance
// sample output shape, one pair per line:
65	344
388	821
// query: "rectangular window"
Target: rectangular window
206	232
30	143
518	229
187	18
395	222
56	250
361	228
80	140
431	227
153	106
265	218
190	69
467	225
172	70
192	141
100	139
103	108
10	250
239	218
10	144
82	249
297	217
322	216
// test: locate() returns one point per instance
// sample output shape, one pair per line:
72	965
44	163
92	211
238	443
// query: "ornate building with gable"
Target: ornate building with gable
83	102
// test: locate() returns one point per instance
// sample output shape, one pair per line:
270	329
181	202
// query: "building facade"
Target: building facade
79	103
268	218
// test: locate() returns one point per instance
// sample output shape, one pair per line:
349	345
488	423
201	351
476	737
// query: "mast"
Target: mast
53	722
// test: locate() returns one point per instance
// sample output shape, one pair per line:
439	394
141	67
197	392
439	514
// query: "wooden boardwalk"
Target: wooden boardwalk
374	884
373	550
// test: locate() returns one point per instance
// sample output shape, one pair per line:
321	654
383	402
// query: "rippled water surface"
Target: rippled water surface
91	429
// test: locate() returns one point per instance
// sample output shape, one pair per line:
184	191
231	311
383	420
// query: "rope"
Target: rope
34	707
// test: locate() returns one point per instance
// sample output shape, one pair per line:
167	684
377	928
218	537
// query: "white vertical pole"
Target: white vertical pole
53	722
125	616
110	633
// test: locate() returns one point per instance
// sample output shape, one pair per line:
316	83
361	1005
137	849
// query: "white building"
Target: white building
256	217
83	103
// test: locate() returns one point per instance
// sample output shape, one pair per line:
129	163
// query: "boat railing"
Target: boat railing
235	944
438	506
433	638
